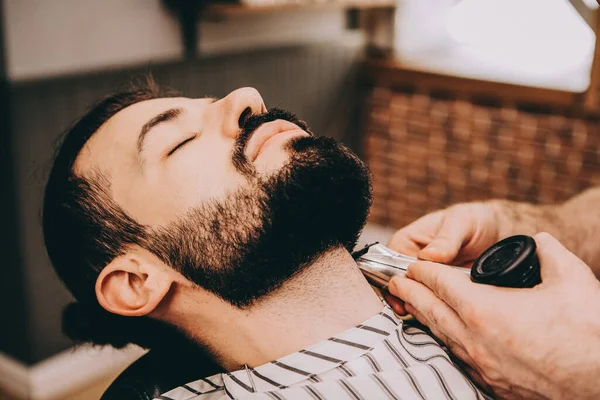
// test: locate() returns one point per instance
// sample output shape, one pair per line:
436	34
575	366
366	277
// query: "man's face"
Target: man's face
157	170
235	198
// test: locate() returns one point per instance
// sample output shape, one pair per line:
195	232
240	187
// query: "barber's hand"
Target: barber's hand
542	342
456	235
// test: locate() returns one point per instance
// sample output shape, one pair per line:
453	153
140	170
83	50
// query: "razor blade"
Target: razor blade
379	264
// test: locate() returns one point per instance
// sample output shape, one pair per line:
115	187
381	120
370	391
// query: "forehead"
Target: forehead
114	143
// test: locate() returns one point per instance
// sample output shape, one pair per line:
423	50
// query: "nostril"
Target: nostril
245	114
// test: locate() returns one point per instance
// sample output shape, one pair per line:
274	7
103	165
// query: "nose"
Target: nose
238	105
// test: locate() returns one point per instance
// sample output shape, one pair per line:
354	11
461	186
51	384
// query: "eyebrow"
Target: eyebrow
162	118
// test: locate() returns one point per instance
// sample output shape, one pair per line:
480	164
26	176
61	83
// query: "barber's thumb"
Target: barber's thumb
556	262
442	249
449	239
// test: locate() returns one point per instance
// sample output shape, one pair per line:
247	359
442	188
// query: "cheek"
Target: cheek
188	178
201	172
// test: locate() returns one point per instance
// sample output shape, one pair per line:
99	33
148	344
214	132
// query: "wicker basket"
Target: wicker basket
428	152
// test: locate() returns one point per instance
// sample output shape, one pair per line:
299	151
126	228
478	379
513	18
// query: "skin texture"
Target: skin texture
460	233
542	342
159	185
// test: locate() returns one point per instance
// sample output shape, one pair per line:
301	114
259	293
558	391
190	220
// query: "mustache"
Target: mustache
250	124
253	121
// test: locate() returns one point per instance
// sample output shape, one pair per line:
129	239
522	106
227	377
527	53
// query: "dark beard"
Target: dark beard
245	246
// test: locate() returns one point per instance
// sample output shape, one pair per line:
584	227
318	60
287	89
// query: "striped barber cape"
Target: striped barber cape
381	358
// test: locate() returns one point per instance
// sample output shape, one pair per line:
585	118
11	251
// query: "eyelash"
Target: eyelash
180	145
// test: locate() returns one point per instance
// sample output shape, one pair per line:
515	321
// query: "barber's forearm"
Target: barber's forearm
575	223
580	223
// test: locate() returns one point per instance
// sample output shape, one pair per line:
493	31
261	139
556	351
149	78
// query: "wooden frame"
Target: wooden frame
390	72
225	11
591	96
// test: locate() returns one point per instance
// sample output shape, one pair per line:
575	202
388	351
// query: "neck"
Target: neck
325	299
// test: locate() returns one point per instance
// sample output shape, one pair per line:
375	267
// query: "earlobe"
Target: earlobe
132	284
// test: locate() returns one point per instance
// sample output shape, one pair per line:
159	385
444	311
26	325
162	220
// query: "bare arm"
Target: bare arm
575	223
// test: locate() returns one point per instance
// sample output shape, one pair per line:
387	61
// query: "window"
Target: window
543	43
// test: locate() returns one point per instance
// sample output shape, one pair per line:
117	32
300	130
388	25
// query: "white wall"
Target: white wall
53	37
47	38
275	29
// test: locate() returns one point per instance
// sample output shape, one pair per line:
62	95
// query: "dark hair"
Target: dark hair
84	229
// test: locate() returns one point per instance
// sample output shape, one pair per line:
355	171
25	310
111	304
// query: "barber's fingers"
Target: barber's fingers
450	285
402	243
396	303
411	239
557	264
424	305
455	230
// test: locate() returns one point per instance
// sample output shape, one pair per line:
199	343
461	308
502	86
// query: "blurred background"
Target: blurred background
447	101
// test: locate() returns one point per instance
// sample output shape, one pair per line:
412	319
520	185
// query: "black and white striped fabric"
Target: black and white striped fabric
379	359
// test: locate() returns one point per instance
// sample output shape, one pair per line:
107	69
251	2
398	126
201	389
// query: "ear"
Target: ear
133	284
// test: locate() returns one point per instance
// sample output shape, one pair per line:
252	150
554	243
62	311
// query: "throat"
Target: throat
327	298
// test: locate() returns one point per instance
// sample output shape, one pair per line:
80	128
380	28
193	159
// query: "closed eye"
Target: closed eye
173	150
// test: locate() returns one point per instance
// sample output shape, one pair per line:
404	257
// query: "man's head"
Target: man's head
149	194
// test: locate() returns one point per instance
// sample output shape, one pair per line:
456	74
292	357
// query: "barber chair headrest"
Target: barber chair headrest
159	371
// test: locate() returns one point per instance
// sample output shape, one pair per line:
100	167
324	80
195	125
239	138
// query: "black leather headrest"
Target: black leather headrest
159	371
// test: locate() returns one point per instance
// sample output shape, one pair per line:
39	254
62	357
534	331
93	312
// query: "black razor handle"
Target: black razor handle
511	262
